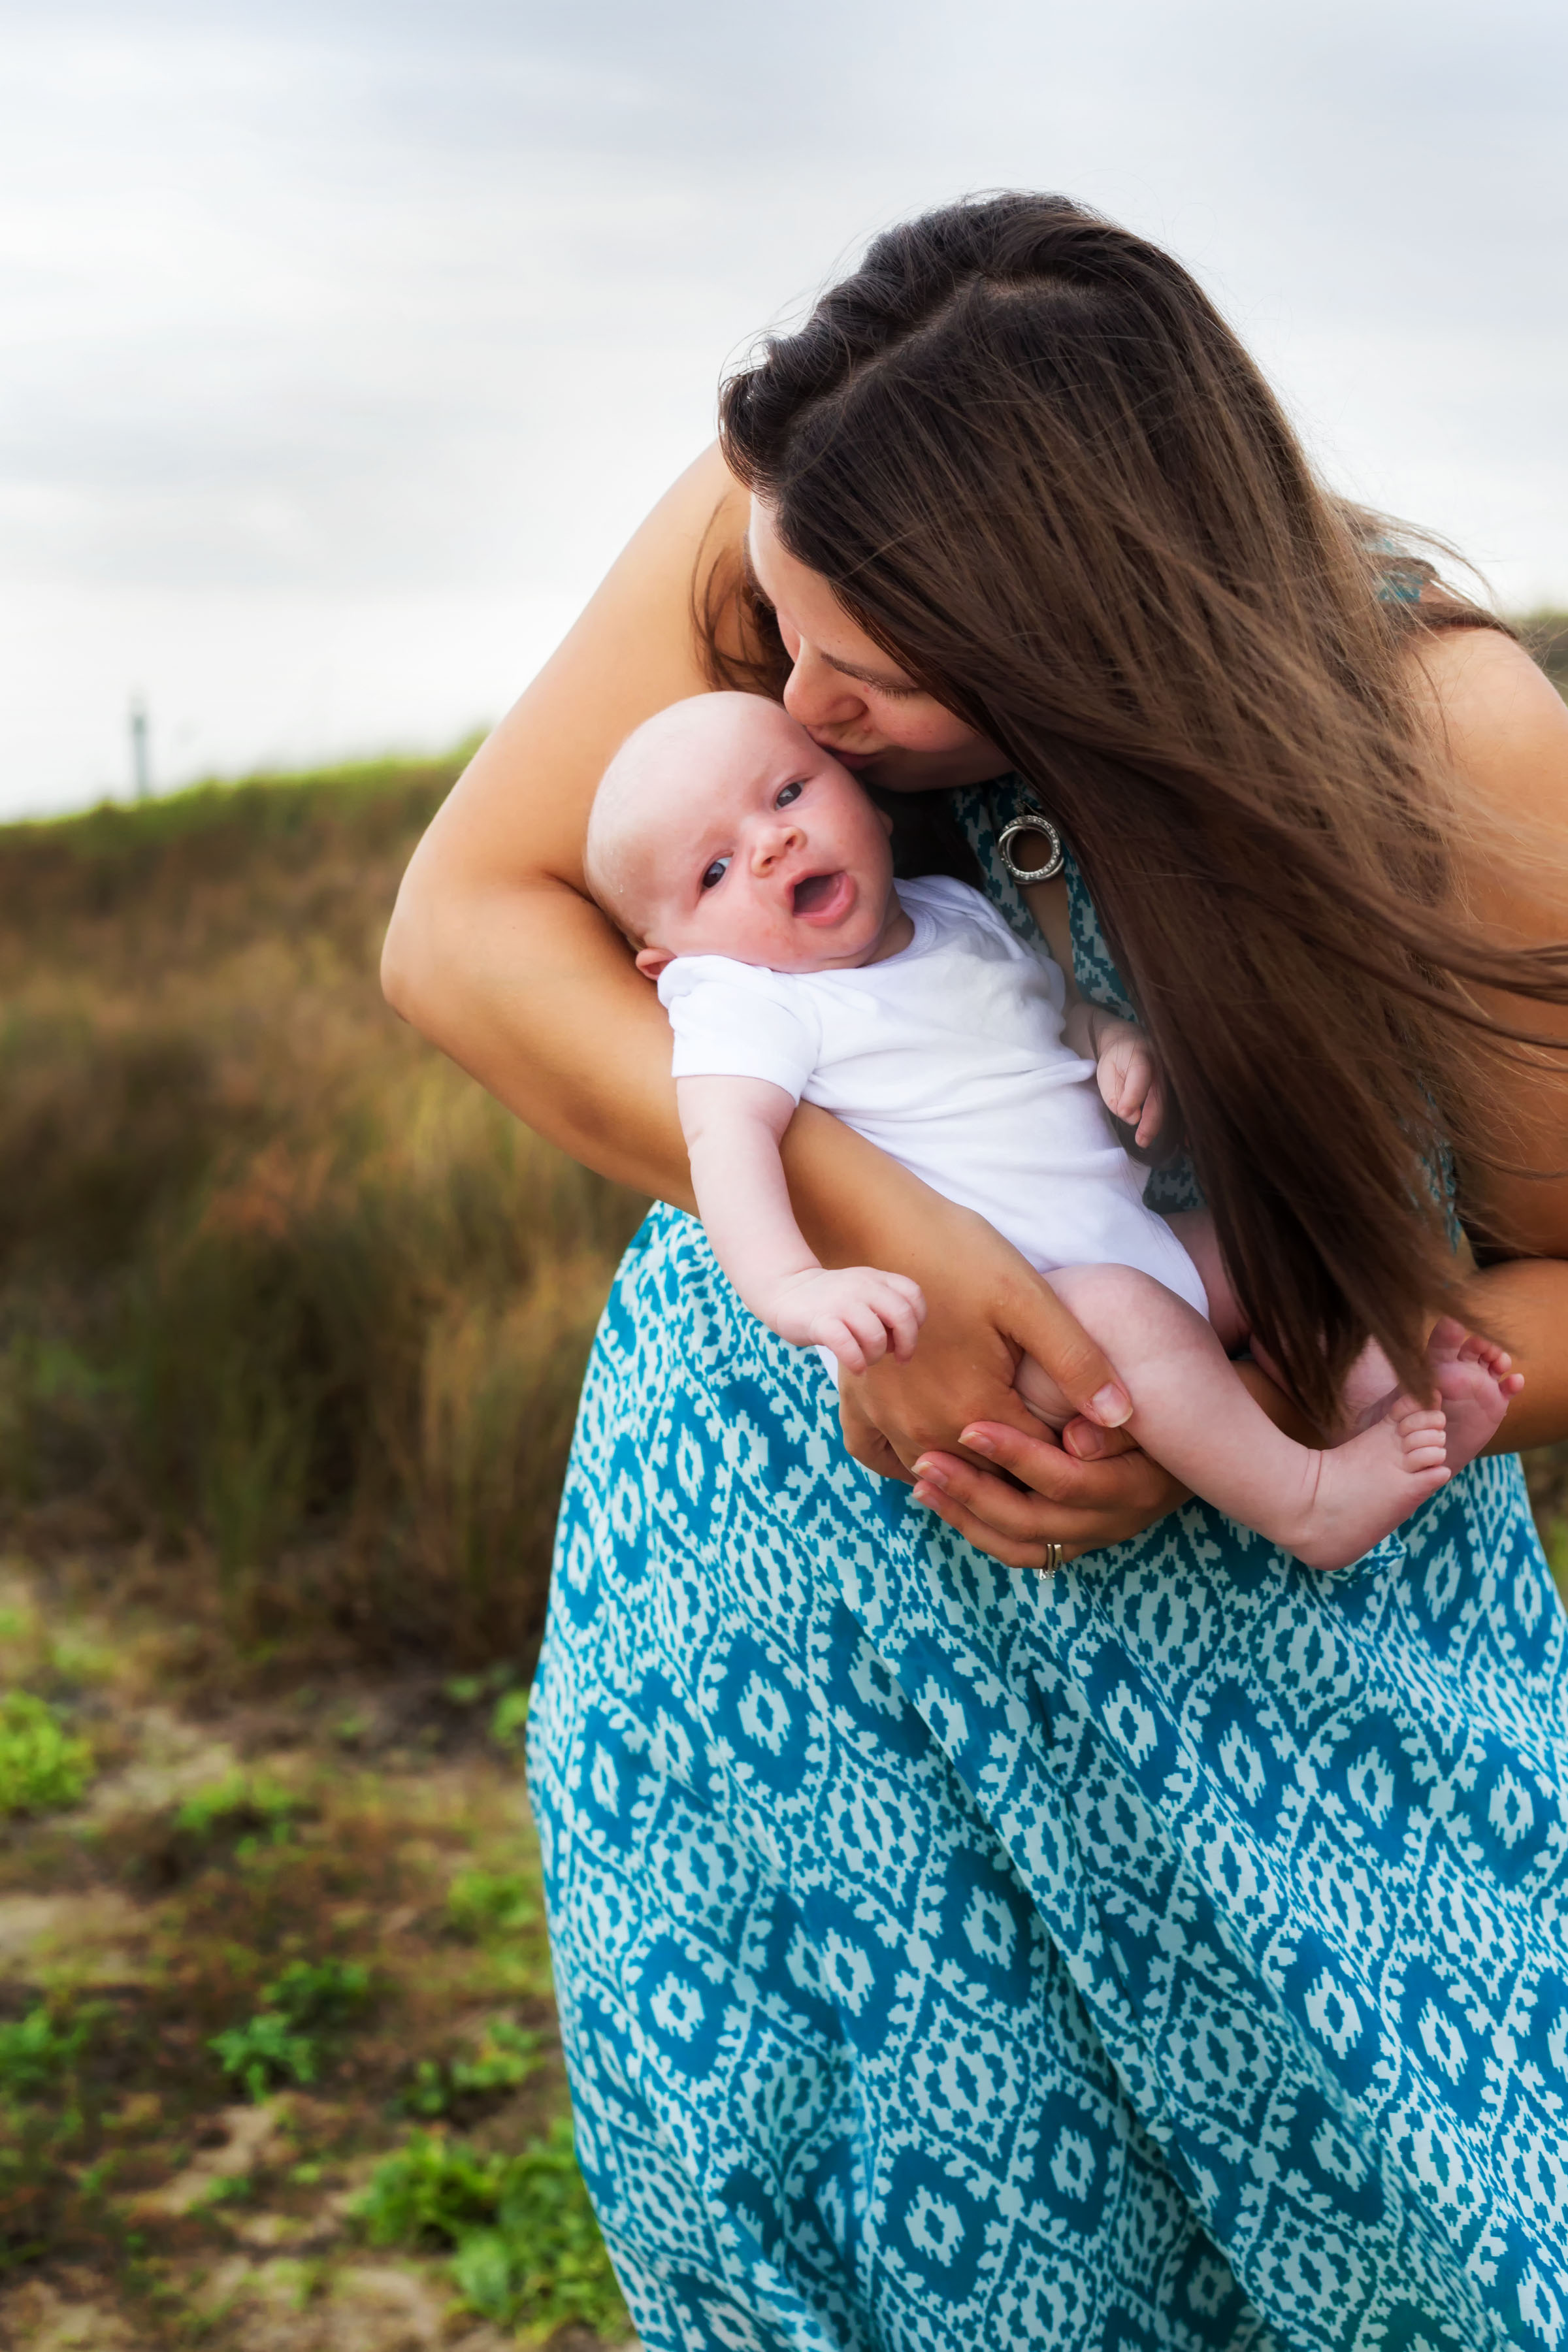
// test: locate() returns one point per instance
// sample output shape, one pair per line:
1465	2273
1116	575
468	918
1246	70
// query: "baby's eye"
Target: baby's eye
790	793
714	873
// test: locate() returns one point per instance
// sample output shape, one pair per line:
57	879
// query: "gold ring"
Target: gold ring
1055	1557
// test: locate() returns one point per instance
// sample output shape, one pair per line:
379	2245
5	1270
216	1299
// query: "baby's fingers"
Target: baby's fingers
841	1341
865	1319
901	1317
912	1292
1124	1085
1152	1116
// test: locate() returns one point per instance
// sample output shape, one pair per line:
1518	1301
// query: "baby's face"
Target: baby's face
768	851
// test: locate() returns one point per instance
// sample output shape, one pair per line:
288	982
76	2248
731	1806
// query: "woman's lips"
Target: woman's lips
822	897
853	759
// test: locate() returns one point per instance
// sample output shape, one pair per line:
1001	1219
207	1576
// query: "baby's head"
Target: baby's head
720	828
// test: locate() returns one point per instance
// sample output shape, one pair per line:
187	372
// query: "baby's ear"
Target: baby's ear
651	961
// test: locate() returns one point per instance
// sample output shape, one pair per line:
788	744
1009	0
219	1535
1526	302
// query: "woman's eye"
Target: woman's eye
714	873
790	793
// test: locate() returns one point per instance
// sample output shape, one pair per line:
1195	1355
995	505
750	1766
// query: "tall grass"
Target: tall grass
278	1287
281	1291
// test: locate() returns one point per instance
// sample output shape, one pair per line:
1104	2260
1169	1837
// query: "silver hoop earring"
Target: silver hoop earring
1037	822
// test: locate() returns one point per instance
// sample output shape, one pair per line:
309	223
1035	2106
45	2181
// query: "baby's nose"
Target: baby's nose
773	842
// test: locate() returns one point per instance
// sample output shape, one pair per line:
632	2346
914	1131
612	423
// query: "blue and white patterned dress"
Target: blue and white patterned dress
1169	1952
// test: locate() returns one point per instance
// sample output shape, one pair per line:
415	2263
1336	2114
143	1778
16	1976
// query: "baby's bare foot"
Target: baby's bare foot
1476	1380
1368	1486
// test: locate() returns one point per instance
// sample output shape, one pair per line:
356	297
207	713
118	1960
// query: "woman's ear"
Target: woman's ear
651	961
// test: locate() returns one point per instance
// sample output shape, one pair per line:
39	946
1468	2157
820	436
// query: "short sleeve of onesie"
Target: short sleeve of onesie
733	1021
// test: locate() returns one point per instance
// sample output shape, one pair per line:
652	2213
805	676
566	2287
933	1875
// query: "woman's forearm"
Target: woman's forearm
535	996
1524	1303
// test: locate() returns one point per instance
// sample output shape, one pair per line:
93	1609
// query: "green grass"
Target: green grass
42	1765
198	2075
243	1805
505	2056
482	1902
312	2001
36	2050
525	2247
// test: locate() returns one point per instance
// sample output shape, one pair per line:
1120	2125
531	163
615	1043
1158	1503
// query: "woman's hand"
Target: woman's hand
1081	1504
951	1418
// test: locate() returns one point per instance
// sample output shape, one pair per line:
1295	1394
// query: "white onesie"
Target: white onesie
949	1056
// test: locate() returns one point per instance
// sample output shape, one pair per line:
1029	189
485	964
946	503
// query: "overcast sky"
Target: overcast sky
347	341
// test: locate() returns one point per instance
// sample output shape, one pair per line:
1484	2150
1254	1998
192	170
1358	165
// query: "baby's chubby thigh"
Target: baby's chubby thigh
1139	1323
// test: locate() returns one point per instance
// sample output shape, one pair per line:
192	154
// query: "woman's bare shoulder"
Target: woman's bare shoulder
1502	720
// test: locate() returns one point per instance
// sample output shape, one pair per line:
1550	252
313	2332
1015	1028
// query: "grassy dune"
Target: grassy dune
279	1290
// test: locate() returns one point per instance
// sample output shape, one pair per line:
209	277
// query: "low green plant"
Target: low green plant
282	2044
483	1903
322	1994
509	1721
469	1690
1554	1540
525	2246
36	2050
245	1801
228	2188
42	1767
506	2055
264	2052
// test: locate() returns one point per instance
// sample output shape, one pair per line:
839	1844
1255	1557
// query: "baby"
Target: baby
755	879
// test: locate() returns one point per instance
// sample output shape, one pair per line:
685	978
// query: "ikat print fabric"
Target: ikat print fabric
1170	1952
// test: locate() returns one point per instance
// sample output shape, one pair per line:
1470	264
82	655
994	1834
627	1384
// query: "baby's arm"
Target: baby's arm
733	1127
1125	1067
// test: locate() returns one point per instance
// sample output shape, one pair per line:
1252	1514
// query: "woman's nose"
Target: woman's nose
815	695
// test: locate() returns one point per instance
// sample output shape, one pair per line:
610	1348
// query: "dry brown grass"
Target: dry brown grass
277	1286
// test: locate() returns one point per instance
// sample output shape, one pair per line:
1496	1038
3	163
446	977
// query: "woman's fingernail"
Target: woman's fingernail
1111	1406
929	1475
1087	1442
977	1441
927	1488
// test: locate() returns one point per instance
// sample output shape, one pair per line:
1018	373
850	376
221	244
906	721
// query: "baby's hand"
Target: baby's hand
1128	1079
856	1310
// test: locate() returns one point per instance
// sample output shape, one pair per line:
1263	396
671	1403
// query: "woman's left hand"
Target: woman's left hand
1097	1487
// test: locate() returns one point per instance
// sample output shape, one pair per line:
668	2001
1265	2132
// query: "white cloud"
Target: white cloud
345	341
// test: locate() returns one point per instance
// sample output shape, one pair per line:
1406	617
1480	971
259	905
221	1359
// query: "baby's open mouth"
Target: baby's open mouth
816	892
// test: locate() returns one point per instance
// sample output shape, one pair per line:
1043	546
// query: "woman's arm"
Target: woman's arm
494	950
1507	729
498	957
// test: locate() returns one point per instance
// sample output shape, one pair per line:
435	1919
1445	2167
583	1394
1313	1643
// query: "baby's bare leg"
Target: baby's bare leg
1474	1378
1193	1228
1193	1414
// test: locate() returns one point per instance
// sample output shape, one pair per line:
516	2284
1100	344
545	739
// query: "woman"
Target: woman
1168	1950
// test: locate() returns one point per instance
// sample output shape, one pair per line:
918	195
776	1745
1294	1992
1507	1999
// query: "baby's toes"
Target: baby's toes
1423	1435
1448	1338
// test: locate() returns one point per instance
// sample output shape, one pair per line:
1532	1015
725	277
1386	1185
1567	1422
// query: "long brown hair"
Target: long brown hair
1040	471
